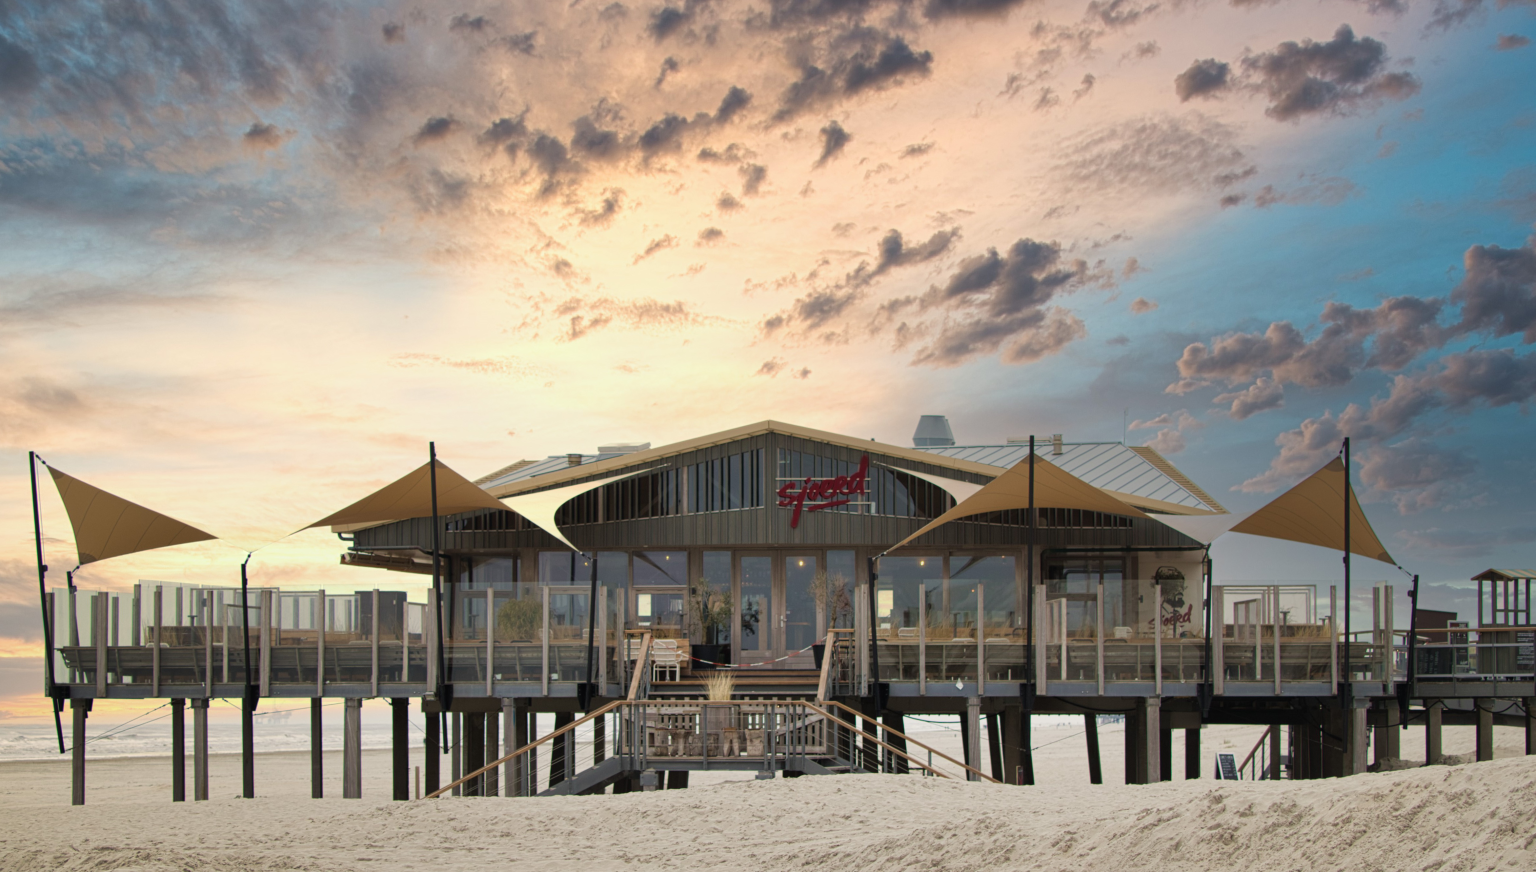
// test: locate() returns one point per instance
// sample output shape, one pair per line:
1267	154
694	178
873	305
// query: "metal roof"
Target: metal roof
1108	465
532	468
1504	575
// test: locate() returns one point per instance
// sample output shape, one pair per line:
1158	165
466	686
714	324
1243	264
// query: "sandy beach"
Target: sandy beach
1471	816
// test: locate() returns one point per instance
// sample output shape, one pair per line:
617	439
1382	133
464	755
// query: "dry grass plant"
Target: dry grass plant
719	686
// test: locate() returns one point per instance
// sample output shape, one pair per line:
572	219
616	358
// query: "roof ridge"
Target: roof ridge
511	467
1161	464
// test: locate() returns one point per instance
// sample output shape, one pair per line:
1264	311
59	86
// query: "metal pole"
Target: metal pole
42	599
874	623
1405	690
444	688
1346	686
1207	688
588	686
248	701
1029	586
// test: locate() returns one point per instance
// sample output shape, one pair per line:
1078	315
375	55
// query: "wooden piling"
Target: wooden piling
1091	730
352	750
79	709
432	752
400	748
178	750
316	750
1192	753
1433	716
200	750
1484	732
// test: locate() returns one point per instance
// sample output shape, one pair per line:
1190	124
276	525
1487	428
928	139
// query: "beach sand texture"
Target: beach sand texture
1475	816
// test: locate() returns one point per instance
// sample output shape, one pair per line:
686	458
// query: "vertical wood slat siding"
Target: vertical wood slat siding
769	525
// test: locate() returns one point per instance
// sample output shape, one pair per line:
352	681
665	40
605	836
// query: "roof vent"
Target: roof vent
623	448
933	432
573	460
1055	443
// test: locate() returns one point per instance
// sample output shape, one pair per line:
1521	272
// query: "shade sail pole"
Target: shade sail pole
1345	685
42	603
248	701
1029	603
444	696
589	686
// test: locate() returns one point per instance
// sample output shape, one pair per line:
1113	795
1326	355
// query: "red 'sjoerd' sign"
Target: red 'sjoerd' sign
813	495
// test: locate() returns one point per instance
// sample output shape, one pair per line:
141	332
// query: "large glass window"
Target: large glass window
661	568
724	483
999	592
756	603
711	608
802	580
904	583
1077	581
837	607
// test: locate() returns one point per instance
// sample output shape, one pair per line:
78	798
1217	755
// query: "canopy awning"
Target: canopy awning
1313	512
540	507
107	525
1055	488
410	496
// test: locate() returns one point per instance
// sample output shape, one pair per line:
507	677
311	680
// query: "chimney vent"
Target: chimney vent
933	432
573	460
1055	443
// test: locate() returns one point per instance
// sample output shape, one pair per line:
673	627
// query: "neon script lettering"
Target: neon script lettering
815	494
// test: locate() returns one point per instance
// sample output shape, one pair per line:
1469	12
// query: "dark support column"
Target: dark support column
965	744
520	766
972	727
248	746
1015	735
994	746
400	746
1312	739
490	784
456	752
79	709
871	726
1433	715
896	721
1135	744
599	740
1192	753
1091	730
316	749
474	751
178	750
1165	753
532	763
1484	732
677	780
432	754
352	750
1027	746
510	721
1530	725
1335	742
1388	743
200	750
563	747
1274	753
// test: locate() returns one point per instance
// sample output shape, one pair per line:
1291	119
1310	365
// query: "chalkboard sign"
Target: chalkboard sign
1226	767
1525	655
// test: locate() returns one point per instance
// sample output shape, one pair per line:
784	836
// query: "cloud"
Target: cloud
1329	191
1468	540
1118	13
802	373
263	137
1154	154
463	23
1498	293
603	215
1511	41
894	252
581	316
710	236
917	149
735	101
394	32
1142	305
940	9
665	242
507	365
1309	78
1261	396
1167	442
520	43
860	60
727	202
435	130
1416	474
752	178
833	139
1203	79
669	20
668	67
771	367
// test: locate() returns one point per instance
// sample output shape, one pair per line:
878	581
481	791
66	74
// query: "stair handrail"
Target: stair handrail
530	746
828	651
1262	743
642	666
929	748
892	748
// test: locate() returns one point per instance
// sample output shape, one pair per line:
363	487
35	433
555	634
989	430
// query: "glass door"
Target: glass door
755	615
803	581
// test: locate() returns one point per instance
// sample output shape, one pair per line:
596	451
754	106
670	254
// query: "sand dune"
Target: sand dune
1477	816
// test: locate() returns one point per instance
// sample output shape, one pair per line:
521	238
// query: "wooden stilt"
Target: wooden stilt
474	751
972	735
316	749
1274	753
559	755
897	722
1165	753
178	750
200	750
1530	722
1433	716
400	746
79	709
489	784
1484	732
352	750
1091	730
1192	753
432	753
994	745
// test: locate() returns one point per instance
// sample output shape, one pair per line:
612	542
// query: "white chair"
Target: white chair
665	658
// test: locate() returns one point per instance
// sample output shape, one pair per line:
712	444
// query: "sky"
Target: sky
256	256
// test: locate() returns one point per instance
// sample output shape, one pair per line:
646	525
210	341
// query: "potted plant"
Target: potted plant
518	620
710	609
834	606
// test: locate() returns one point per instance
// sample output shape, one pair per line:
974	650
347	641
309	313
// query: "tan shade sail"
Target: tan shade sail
411	497
956	488
539	508
1055	488
1313	512
107	525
